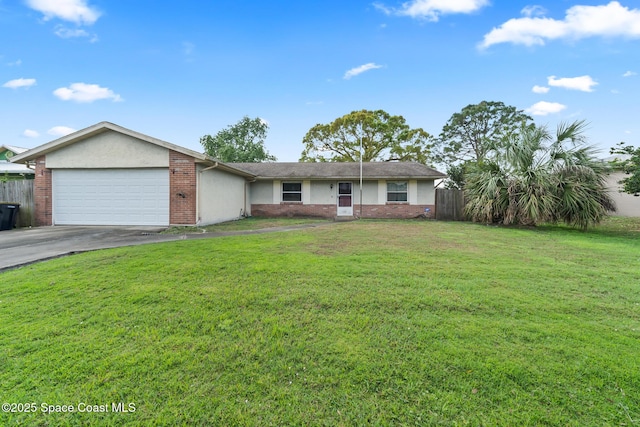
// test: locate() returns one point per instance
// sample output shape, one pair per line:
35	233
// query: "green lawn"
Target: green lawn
251	223
360	323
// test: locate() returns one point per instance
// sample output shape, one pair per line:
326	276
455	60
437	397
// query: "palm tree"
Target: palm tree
539	178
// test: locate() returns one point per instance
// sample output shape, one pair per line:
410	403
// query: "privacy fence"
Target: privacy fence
19	192
450	204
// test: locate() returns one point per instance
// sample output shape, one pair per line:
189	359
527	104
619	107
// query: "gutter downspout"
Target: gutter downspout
210	167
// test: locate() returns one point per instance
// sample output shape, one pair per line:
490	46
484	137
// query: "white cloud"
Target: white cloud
77	11
582	83
544	108
17	83
539	89
60	131
361	69
535	10
82	92
431	10
30	133
629	74
611	20
67	33
15	63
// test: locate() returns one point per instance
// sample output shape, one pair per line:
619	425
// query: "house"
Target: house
109	175
12	170
389	189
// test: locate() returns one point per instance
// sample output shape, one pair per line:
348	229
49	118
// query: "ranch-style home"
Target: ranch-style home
109	175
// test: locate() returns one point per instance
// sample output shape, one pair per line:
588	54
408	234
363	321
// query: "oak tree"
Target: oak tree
383	137
242	142
471	133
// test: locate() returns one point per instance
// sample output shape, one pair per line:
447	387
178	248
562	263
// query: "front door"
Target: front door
345	199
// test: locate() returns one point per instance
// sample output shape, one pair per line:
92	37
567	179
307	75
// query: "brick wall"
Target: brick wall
395	210
42	199
182	189
329	211
294	210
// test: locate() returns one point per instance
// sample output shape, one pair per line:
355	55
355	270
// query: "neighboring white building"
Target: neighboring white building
626	204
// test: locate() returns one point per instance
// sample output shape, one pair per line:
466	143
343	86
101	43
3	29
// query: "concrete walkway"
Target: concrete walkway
25	246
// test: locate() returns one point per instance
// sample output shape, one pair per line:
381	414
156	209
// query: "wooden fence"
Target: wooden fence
449	204
20	191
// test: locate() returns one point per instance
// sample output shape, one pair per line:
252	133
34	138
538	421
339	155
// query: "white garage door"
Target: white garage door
110	197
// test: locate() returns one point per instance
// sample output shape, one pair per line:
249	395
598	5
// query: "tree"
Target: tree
457	174
630	166
471	133
242	142
537	178
383	137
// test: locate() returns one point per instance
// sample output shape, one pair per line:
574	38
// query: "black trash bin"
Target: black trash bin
8	215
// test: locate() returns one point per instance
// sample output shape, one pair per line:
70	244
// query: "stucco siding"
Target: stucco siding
261	192
109	150
306	192
426	193
221	196
370	194
247	202
322	192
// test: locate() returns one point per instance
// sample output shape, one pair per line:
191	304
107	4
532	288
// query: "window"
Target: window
291	191
397	191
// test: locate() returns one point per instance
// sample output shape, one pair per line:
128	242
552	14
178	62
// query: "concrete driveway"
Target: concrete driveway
26	245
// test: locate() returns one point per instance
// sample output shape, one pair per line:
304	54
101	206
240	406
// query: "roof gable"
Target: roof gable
102	127
8	151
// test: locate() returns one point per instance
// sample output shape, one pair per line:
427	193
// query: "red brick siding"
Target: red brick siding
395	210
42	197
329	211
182	189
294	210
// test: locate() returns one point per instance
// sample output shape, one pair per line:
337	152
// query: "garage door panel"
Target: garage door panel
111	196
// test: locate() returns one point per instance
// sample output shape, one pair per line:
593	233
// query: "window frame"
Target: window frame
284	192
396	192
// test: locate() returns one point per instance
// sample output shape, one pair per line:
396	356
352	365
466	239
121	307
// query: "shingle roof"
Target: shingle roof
339	170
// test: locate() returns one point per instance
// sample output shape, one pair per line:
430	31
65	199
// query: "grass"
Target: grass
360	323
251	223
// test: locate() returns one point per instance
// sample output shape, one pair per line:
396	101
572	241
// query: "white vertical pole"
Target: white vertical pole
360	176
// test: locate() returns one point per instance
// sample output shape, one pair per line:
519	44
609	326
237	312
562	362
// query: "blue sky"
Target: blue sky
180	70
